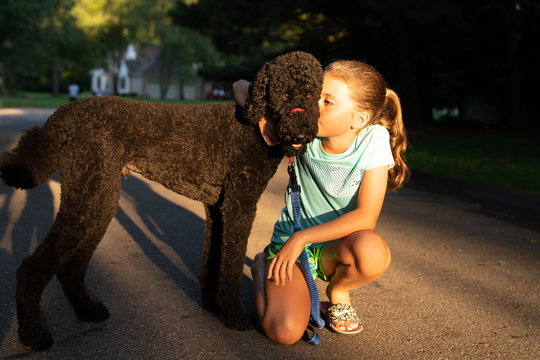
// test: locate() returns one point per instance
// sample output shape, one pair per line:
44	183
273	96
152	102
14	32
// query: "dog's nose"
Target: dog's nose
298	138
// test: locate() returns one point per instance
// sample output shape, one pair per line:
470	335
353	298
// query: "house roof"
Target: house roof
143	66
148	67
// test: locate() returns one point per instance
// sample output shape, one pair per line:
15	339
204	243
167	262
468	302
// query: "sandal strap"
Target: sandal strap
342	312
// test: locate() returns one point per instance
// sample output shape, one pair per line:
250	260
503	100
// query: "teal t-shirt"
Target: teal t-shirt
330	182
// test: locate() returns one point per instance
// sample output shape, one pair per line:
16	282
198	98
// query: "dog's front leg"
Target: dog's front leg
228	225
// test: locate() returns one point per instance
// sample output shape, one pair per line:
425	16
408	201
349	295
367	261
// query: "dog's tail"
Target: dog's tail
32	162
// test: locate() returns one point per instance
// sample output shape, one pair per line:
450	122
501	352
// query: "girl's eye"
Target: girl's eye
310	96
285	96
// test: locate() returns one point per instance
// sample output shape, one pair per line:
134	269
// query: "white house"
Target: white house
138	74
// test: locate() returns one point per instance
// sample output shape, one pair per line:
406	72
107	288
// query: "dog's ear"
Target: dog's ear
255	107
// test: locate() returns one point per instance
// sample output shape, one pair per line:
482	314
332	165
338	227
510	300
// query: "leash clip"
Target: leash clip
293	186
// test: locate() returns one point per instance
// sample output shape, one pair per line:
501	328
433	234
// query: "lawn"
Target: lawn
498	158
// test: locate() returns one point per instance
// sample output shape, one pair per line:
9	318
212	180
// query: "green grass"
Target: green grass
506	160
35	100
46	100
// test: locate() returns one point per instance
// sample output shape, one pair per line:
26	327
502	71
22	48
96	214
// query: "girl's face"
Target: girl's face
337	109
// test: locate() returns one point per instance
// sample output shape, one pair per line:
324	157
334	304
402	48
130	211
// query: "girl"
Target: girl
357	157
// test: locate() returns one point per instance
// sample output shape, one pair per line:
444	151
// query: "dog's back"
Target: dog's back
187	148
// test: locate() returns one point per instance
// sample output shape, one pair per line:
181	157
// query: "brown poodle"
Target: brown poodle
212	153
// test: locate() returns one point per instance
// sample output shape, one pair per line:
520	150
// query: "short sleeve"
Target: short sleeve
380	153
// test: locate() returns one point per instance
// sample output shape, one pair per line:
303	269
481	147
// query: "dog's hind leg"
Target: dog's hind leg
88	203
72	273
34	274
72	277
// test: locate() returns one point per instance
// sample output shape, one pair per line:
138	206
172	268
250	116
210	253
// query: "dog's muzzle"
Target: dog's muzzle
297	141
294	143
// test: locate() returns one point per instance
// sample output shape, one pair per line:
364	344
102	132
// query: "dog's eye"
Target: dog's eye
285	96
310	96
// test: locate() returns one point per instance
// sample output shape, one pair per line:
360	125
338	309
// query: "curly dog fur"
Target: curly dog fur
213	153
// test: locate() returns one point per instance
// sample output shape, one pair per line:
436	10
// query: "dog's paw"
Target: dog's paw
95	313
241	322
210	304
36	339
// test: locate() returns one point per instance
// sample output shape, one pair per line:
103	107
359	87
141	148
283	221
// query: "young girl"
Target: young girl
344	175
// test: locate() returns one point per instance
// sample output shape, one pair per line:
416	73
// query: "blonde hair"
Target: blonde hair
370	93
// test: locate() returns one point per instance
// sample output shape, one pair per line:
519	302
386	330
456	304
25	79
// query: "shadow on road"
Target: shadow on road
169	224
23	225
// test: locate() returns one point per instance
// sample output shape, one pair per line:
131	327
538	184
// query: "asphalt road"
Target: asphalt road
464	282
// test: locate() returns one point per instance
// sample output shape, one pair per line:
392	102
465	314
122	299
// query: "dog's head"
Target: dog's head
286	91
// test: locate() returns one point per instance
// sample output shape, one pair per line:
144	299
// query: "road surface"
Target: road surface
464	282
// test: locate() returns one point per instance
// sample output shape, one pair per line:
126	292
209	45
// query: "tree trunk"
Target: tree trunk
180	88
114	68
55	73
513	74
165	73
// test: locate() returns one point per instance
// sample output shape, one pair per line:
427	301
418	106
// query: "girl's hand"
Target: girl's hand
281	266
241	91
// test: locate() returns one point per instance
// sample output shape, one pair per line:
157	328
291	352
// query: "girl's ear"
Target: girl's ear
360	120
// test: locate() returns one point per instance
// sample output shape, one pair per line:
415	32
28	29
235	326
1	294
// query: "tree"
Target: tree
182	52
39	43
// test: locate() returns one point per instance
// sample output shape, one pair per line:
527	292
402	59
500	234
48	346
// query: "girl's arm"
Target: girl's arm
370	200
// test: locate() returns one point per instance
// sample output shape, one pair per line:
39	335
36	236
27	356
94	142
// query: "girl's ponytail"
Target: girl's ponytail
391	118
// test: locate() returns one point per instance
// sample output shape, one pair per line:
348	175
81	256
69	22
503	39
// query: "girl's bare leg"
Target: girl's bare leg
282	310
351	262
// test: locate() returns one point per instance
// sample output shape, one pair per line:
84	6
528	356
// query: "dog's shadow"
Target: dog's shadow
176	227
170	224
25	227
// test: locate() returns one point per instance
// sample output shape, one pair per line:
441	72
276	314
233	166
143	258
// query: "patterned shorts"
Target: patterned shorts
314	258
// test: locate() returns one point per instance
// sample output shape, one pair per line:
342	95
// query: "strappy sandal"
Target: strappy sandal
343	312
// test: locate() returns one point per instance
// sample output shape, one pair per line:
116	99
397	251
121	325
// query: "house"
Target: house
139	74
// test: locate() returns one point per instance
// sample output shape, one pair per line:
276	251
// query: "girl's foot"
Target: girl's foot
341	322
342	318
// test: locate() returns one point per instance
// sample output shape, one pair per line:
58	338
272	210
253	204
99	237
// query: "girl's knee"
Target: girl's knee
370	253
285	331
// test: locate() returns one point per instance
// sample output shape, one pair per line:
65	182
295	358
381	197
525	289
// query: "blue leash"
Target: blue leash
315	310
